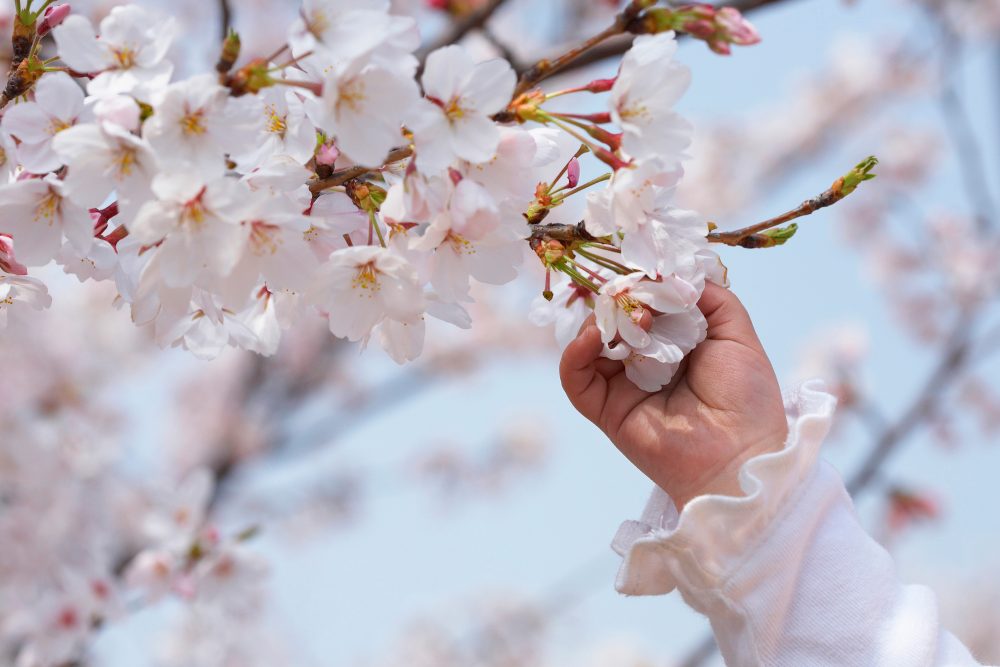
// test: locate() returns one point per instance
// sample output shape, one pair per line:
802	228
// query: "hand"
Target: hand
722	408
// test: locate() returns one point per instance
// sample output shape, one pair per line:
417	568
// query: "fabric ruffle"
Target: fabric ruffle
698	547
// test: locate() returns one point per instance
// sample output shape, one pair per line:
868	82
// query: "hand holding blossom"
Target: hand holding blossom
722	407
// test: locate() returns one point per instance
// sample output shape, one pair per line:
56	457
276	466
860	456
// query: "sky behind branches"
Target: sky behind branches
345	598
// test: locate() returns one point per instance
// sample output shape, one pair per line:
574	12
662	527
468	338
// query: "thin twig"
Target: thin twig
617	46
344	175
226	17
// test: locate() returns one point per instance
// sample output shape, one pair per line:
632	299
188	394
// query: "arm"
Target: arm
753	530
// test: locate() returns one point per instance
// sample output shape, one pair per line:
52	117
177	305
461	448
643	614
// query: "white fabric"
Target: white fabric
786	574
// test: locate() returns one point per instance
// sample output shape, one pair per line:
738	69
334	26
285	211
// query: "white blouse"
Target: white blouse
786	574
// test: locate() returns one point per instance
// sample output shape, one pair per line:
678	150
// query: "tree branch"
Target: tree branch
225	17
344	175
617	46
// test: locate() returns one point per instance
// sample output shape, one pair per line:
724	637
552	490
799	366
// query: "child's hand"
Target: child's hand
722	408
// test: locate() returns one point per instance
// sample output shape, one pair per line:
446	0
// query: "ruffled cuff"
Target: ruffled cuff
699	547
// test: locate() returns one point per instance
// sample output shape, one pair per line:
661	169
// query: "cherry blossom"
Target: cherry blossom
129	56
648	86
21	292
228	207
39	215
453	121
196	122
619	306
363	286
363	106
197	226
58	105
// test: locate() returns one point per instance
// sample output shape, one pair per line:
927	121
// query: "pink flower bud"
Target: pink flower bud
573	172
8	262
736	28
456	176
327	154
52	17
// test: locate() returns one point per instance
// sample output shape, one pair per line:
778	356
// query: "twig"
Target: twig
940	380
226	17
341	177
754	236
617	46
472	21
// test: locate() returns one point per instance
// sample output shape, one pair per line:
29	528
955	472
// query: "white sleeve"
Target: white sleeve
786	574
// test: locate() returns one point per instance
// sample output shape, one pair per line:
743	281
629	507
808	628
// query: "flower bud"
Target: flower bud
230	53
573	173
327	154
53	16
8	262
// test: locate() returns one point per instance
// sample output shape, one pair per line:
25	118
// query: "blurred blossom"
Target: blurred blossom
835	355
518	449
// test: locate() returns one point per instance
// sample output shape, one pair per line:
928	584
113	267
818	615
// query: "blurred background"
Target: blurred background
457	511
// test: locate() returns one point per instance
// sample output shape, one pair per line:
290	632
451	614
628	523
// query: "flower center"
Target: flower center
352	95
48	207
318	23
629	304
367	278
125	57
460	244
193	123
276	123
194	213
264	239
124	162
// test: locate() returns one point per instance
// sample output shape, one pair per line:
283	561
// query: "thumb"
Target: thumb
584	385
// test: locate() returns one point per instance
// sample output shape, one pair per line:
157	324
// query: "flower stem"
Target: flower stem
378	230
588	184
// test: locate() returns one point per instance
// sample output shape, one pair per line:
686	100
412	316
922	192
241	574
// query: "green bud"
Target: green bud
855	177
780	235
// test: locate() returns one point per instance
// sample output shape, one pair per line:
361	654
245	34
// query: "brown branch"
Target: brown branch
756	236
546	67
617	46
225	18
344	175
947	371
472	21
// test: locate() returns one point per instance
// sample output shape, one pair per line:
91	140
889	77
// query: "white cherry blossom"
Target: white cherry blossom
453	121
37	214
58	105
19	293
619	306
196	123
648	86
106	158
129	56
363	106
361	287
197	226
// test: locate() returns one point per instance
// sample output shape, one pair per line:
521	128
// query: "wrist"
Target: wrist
724	480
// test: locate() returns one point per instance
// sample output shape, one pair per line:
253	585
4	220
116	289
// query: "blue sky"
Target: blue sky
347	595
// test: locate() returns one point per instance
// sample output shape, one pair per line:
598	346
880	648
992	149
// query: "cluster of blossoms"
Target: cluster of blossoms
331	177
88	538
